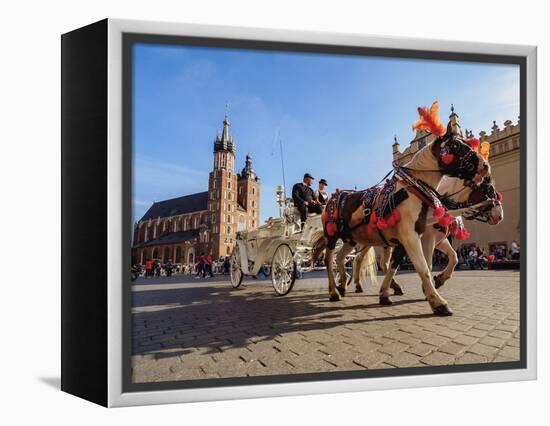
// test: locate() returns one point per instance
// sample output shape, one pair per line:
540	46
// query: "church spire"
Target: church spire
454	127
225	142
226	124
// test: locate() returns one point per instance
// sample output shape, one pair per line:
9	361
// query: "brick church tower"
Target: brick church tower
248	197
233	200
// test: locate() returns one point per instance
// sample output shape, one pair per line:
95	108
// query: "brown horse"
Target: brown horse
447	155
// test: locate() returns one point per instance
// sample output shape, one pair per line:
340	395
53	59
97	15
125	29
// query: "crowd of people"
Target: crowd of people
205	267
475	257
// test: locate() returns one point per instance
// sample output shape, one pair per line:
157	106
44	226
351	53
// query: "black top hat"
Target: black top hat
307	175
323	181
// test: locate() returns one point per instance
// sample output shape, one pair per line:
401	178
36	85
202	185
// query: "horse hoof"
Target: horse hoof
341	290
334	297
385	300
443	311
437	282
397	290
359	289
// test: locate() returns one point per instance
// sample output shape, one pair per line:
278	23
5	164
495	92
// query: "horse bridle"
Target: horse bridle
466	168
476	210
465	162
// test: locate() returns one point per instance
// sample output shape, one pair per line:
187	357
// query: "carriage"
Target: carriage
282	245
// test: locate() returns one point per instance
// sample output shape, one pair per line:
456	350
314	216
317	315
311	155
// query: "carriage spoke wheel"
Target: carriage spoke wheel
235	271
283	270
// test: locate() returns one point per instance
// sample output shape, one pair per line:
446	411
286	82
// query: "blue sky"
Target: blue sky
336	115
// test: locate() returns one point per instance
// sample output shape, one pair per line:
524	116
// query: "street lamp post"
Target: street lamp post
281	201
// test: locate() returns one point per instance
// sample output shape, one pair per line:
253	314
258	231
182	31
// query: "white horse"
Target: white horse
480	202
446	155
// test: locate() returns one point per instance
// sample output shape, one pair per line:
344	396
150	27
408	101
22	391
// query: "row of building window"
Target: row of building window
223	160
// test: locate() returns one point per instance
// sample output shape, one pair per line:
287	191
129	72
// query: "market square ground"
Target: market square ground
196	329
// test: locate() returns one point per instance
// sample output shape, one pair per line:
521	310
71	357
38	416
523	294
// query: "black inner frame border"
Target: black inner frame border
130	39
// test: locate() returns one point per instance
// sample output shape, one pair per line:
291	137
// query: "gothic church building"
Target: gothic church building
182	228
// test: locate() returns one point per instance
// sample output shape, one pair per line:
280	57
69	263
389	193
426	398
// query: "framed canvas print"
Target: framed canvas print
251	212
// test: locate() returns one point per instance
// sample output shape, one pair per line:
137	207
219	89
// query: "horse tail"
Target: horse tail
369	266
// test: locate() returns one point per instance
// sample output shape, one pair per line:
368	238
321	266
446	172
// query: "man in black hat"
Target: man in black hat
304	198
321	195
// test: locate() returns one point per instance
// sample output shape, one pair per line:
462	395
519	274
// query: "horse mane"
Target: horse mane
450	185
423	159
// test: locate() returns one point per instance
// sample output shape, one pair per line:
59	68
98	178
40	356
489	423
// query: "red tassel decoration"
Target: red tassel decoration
381	224
499	196
454	229
439	212
390	220
447	159
462	234
331	229
324	217
373	218
445	220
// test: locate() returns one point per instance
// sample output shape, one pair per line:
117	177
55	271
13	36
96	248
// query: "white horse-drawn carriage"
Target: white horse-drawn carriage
280	244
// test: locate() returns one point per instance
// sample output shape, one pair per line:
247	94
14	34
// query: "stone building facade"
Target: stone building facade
182	228
504	157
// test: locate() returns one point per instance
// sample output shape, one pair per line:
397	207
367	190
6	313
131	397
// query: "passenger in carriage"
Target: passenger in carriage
304	198
321	195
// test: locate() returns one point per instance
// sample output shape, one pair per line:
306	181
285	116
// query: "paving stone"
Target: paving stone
471	358
421	349
370	359
393	348
403	359
452	348
466	340
510	352
438	358
435	340
480	349
492	341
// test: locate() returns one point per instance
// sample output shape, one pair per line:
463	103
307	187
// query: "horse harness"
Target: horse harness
383	199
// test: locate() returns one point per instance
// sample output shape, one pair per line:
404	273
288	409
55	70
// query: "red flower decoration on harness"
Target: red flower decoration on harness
447	159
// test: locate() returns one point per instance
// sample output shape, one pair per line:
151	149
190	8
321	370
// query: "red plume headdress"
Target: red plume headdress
429	120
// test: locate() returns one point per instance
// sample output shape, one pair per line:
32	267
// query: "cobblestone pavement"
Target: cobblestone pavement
191	329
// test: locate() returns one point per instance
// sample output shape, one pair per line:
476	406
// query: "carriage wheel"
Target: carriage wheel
235	270
283	270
